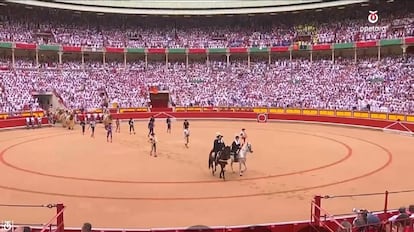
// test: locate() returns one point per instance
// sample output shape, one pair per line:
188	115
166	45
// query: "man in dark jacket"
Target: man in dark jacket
218	144
235	147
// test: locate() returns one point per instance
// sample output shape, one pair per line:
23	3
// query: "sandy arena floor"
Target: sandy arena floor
119	185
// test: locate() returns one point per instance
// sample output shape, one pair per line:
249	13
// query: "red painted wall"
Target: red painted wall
17	122
7	123
339	120
253	116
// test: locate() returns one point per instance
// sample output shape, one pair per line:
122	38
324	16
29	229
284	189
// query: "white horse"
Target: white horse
246	148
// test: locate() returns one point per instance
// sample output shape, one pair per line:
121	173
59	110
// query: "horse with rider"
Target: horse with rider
220	154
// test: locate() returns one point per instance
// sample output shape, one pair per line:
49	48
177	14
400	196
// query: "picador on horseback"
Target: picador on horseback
218	144
235	148
219	155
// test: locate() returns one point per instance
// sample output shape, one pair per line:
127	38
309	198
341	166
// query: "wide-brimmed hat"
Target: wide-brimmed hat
218	134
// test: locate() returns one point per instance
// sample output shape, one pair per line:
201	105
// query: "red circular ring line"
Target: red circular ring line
389	161
343	159
25	136
389	155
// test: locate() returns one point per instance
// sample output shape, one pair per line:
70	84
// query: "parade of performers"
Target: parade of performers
83	124
186	127
235	147
186	137
153	141
131	126
151	125
32	122
243	135
186	124
109	132
168	121
39	121
118	126
218	144
92	125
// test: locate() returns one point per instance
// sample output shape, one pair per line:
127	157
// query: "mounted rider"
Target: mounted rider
235	148
243	135
218	144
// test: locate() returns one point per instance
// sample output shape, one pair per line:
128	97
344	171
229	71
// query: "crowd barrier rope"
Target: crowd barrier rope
56	224
58	219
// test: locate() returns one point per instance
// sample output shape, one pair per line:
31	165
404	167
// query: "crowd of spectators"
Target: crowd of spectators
384	86
367	221
50	26
366	85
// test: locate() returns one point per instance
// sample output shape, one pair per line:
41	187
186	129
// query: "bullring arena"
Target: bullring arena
118	183
324	89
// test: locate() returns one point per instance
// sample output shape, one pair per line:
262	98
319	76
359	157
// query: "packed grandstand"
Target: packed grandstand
362	79
89	54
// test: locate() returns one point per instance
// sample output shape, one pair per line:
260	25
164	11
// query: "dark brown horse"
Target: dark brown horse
221	159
